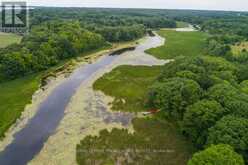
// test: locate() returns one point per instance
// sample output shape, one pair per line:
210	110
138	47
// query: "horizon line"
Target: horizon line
97	7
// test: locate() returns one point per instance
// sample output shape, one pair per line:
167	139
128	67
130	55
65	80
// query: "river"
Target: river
29	141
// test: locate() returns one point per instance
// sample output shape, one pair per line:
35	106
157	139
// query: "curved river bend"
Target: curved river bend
29	141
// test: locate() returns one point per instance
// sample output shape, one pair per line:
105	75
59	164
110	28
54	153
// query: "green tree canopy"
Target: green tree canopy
226	95
199	117
230	130
217	155
173	95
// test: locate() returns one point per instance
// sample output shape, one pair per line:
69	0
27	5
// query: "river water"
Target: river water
29	141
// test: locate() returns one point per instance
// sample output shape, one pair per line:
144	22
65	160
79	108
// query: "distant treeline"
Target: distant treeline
60	33
113	24
51	39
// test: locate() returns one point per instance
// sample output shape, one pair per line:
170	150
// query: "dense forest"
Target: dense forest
55	36
45	46
40	50
207	94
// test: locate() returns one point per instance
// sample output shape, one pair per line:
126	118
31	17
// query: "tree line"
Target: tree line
114	25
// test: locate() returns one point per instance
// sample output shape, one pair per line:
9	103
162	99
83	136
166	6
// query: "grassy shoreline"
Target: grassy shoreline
16	94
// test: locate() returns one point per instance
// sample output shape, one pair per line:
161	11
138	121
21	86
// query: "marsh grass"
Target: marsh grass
153	142
179	44
128	85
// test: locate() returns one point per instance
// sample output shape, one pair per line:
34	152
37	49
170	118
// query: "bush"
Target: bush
226	94
199	117
217	155
230	130
174	95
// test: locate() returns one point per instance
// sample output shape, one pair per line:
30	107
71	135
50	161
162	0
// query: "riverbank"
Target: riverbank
55	76
89	111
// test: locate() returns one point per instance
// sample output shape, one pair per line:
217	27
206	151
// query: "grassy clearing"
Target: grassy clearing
238	48
14	96
179	44
181	24
154	142
7	39
128	85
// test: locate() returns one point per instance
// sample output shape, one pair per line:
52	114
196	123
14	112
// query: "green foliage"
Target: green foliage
217	155
216	48
45	46
114	25
226	94
206	70
199	117
231	130
120	33
173	95
101	17
244	86
239	108
228	26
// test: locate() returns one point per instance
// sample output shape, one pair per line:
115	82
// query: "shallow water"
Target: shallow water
29	141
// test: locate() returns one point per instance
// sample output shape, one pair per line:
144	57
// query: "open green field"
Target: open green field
14	96
238	48
181	24
128	85
154	142
179	44
8	39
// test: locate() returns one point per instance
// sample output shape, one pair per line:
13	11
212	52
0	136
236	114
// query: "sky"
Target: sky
234	5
